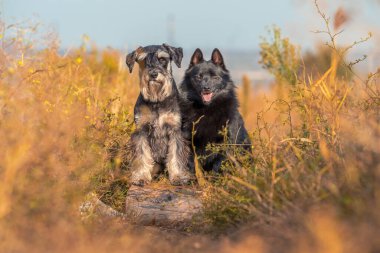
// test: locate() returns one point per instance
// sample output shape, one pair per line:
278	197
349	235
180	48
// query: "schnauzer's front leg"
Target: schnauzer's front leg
143	162
177	160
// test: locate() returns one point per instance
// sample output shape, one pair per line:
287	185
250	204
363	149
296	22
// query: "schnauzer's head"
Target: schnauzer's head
155	69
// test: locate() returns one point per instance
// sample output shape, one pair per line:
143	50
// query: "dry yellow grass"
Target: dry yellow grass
312	184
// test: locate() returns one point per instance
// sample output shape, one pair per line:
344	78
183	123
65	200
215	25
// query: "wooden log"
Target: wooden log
163	205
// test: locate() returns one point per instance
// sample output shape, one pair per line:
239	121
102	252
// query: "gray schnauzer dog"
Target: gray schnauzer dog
158	141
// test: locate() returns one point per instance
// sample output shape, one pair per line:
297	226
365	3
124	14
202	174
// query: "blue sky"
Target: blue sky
225	24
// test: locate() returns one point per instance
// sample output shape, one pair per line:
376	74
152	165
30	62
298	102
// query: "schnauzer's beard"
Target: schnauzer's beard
155	90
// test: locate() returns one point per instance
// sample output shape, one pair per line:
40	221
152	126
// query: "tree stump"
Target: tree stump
163	205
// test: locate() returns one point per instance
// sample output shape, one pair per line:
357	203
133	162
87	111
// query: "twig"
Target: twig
198	170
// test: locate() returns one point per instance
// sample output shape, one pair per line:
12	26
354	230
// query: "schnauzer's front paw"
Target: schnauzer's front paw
180	179
140	180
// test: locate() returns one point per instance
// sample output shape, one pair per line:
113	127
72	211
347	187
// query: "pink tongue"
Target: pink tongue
207	97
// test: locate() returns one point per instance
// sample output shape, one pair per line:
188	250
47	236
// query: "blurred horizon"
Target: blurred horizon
210	24
236	29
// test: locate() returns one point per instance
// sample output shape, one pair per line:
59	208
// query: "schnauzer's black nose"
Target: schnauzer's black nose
153	74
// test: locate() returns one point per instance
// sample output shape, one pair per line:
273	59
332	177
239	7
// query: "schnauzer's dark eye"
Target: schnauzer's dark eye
163	61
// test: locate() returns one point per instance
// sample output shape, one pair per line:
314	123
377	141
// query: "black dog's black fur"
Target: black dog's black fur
207	91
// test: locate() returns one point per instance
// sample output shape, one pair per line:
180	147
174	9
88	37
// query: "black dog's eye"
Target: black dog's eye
198	77
216	78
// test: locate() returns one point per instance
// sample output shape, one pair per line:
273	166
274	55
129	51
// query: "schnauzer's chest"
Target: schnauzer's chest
158	121
158	125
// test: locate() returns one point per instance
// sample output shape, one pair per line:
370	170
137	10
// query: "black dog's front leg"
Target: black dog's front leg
237	134
217	163
213	162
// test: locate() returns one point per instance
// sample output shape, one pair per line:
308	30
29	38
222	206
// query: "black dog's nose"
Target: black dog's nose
206	87
153	74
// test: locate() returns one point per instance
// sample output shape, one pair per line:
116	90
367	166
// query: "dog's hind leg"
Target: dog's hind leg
143	164
177	159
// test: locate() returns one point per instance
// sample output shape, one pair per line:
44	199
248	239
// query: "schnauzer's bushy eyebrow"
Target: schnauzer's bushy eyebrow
163	54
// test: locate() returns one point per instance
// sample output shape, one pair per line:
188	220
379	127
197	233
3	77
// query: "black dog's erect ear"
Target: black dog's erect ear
176	54
132	57
217	58
197	57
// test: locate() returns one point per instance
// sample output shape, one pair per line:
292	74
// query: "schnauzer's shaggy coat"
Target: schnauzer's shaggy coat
158	141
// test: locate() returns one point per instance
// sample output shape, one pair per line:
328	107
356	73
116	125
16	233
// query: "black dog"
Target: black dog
207	91
158	140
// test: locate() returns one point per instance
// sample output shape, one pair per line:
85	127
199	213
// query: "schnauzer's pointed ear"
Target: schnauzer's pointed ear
133	57
217	58
197	57
176	54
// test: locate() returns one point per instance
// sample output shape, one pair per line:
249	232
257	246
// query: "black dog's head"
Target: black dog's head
155	69
207	81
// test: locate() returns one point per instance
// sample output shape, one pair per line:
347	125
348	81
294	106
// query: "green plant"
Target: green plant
280	57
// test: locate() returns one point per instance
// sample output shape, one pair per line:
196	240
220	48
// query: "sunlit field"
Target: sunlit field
311	184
